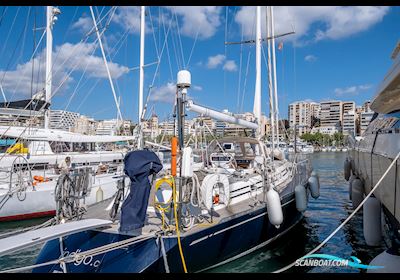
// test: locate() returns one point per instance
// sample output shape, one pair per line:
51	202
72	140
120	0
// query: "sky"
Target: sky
340	53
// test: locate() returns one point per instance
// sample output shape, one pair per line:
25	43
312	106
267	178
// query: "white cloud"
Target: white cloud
203	20
230	66
129	18
197	88
165	93
66	57
334	22
310	58
215	61
84	24
352	90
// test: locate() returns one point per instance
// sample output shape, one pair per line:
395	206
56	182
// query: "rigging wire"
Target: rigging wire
9	32
3	14
169	56
245	80
240	73
180	39
105	61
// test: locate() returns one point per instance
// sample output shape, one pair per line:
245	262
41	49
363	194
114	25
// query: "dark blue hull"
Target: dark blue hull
203	249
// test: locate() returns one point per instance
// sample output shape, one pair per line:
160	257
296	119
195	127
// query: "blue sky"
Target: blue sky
337	53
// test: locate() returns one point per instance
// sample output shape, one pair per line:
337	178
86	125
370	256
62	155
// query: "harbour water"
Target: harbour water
321	218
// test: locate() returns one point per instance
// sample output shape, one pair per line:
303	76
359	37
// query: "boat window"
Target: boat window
228	146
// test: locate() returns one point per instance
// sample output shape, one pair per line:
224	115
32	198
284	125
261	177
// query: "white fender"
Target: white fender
208	185
274	208
389	261
357	192
347	169
300	194
313	183
372	221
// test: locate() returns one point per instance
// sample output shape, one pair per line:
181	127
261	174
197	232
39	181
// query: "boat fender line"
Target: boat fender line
346	220
208	186
372	222
162	206
351	179
388	259
357	192
274	208
347	169
300	194
313	184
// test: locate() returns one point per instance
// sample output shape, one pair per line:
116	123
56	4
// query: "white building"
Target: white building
85	125
64	120
300	115
107	127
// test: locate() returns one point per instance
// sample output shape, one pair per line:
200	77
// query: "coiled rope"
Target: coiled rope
345	221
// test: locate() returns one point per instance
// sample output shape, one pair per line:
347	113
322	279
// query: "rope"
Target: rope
345	221
164	255
177	226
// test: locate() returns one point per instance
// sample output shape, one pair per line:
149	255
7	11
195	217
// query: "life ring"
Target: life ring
207	188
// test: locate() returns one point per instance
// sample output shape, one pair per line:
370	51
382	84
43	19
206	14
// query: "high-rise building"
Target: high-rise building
331	116
349	123
300	115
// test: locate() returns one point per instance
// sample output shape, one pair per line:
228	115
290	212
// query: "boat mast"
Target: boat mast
141	74
257	93
271	9
49	49
270	89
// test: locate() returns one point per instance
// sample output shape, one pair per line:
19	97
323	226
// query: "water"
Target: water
321	218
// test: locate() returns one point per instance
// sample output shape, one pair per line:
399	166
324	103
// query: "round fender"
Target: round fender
274	208
313	183
372	221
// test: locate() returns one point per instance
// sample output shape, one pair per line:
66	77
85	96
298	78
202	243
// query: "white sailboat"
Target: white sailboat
29	168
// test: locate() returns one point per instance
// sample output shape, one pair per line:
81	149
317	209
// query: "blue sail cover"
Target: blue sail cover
139	165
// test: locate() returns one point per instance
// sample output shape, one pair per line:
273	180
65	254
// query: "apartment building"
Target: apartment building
301	114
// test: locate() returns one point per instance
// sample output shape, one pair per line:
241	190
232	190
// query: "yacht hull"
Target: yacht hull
202	250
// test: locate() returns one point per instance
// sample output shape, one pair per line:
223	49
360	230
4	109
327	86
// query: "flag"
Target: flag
280	46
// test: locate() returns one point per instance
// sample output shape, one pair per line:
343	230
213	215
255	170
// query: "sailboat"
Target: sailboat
243	198
29	167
